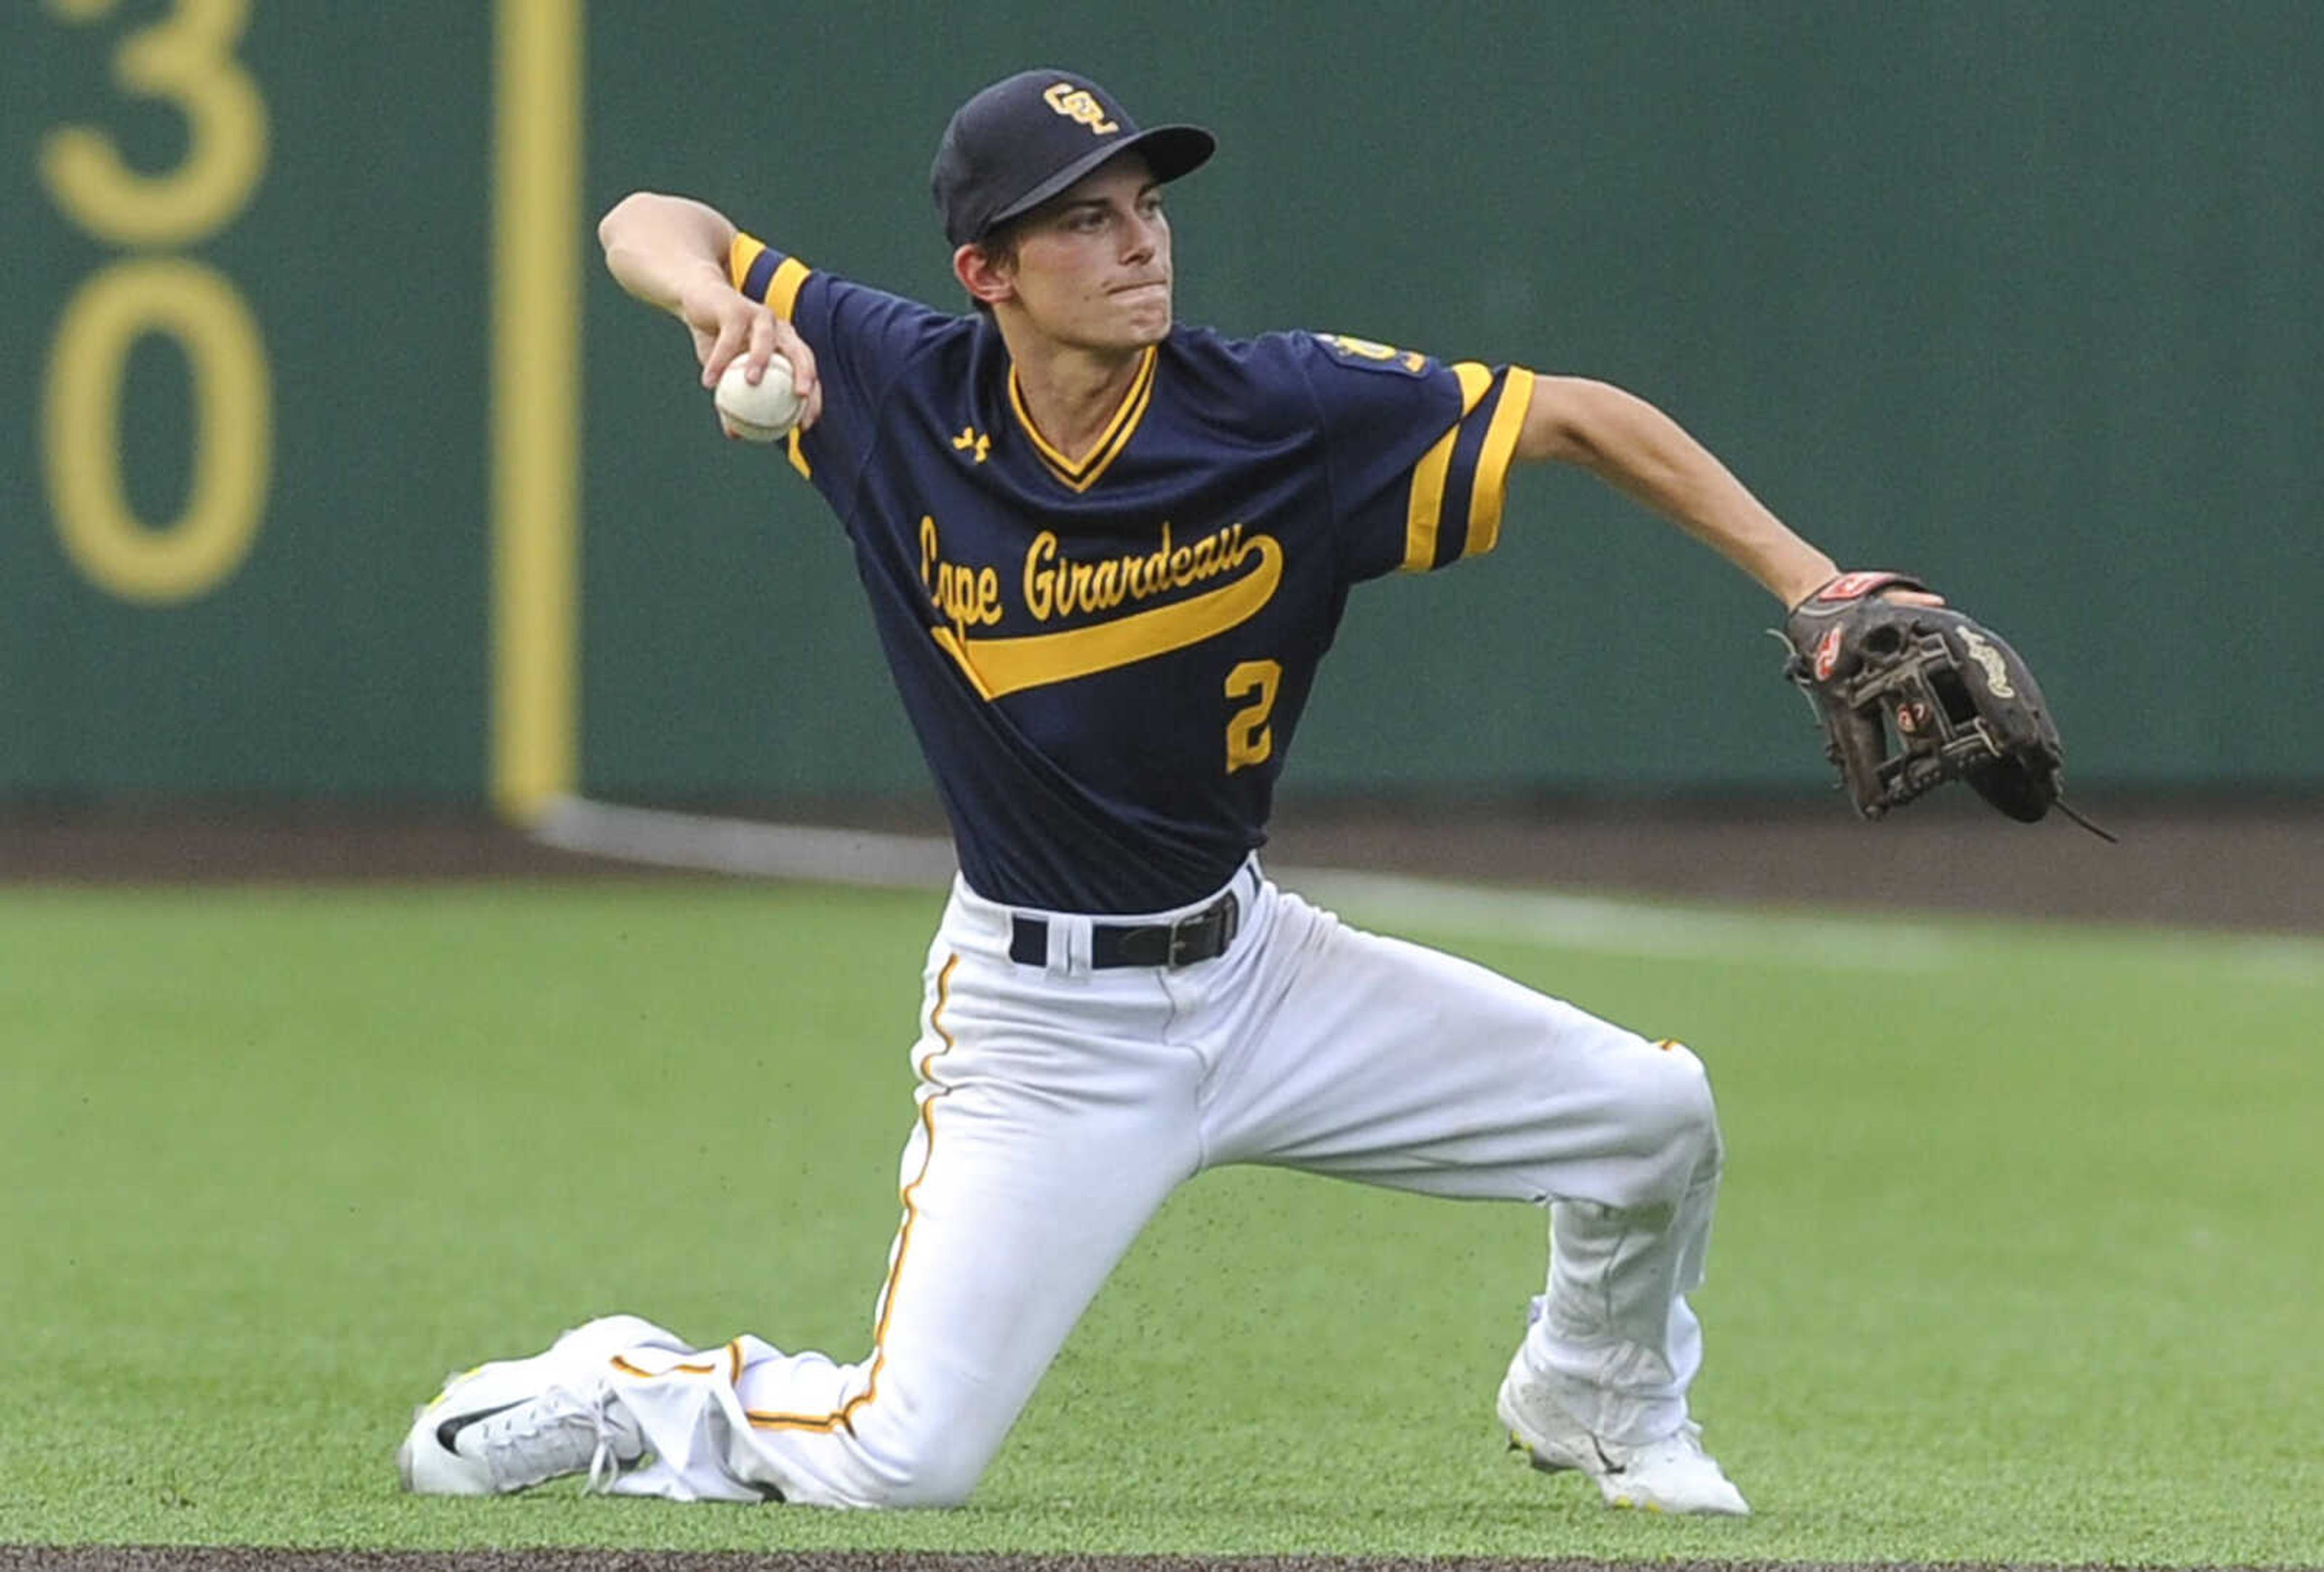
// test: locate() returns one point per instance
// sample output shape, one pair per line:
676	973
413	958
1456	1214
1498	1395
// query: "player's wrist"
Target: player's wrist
701	289
1794	583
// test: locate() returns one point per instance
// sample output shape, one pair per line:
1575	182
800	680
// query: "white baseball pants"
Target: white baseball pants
1058	1106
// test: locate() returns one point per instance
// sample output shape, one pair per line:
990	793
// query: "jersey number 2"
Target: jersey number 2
1250	739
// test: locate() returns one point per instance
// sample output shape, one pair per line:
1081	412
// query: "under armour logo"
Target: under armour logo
971	439
1077	103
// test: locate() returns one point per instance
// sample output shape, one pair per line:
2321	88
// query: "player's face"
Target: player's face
1093	263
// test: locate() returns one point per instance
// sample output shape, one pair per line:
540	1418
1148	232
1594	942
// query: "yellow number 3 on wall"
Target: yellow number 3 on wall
188	61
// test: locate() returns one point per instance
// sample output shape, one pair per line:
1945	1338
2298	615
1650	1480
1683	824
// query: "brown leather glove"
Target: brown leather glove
1910	697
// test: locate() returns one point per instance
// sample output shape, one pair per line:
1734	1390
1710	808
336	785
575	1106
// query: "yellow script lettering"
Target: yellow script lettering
1057	586
968	597
1037	576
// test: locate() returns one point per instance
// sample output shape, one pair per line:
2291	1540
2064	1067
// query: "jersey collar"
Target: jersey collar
1080	475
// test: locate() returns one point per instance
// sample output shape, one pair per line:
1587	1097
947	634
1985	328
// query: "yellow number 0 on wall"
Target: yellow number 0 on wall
186	59
233	435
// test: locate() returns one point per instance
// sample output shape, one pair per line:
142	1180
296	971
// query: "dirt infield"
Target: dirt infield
2237	864
189	1558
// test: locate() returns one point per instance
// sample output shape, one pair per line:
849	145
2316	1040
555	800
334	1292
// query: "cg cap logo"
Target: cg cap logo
1075	103
1024	139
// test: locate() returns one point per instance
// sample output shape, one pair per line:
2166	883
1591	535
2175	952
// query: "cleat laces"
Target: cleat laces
563	1430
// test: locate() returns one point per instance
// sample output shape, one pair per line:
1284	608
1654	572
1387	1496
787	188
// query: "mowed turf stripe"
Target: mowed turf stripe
1845	942
1601	926
1842	941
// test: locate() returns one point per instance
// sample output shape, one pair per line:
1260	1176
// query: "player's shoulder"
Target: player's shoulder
849	299
1278	382
1299	352
1283	364
890	341
1347	352
1253	386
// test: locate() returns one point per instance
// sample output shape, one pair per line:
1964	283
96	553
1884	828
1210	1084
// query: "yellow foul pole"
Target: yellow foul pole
536	404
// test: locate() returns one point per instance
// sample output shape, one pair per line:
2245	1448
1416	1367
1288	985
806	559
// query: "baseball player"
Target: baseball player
1104	554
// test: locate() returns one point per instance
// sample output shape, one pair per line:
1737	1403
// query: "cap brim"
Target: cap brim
1170	151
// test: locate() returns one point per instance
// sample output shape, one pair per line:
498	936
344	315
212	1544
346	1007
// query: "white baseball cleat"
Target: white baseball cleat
1674	1474
510	1425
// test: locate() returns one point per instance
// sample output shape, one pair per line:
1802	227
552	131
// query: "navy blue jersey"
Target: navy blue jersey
1105	656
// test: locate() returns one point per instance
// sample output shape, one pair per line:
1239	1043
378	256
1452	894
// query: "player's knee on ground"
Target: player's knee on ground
925	1453
936	1480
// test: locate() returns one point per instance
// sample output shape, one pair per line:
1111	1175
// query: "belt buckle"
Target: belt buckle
1215	925
1182	933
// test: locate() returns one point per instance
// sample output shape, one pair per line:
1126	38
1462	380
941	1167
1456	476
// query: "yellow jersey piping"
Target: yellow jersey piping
1080	475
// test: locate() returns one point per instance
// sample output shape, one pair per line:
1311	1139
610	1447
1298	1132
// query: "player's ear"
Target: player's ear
989	277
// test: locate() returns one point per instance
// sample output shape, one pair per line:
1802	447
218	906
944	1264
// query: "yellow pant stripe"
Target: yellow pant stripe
844	1417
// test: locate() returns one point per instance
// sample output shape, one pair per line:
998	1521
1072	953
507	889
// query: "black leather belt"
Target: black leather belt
1199	936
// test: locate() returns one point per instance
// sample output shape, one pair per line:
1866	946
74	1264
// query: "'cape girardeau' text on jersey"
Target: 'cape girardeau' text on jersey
1105	656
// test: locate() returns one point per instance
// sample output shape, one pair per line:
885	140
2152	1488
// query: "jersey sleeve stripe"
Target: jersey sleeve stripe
765	275
783	293
1426	509
1481	470
1459	481
743	258
1489	489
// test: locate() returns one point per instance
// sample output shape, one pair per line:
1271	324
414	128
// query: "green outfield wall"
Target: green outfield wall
332	463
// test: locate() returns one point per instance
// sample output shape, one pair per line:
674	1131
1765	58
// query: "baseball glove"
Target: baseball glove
1911	697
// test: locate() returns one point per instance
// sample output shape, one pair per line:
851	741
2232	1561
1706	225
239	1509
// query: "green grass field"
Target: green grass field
2021	1257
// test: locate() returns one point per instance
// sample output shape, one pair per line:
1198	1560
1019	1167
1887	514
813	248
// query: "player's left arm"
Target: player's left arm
1646	455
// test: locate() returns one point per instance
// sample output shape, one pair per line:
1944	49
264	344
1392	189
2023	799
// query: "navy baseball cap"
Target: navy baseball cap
1022	140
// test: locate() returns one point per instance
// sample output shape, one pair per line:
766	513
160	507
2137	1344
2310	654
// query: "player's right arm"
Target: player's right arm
1645	453
671	253
1640	451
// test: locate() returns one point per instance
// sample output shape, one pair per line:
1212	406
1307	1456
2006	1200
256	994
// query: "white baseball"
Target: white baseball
764	412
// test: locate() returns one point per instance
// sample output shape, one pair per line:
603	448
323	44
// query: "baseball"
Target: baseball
761	413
